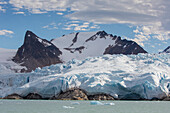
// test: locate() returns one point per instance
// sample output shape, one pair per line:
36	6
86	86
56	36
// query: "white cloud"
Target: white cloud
6	32
106	11
144	33
152	17
19	13
59	13
40	6
2	3
51	26
1	9
80	27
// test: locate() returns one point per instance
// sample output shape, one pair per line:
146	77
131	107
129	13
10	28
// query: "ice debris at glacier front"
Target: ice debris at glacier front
96	103
144	76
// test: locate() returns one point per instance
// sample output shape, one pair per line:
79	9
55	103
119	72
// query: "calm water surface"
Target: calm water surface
55	106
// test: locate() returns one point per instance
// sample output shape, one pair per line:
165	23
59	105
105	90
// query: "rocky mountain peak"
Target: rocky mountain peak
30	37
36	52
102	33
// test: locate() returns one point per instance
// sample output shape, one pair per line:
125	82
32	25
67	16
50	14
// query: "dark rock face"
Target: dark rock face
124	47
80	94
13	96
75	39
72	50
100	97
78	49
73	94
36	52
166	99
101	34
132	96
33	96
167	50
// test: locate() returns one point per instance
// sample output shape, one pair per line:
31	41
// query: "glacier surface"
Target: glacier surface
6	64
122	76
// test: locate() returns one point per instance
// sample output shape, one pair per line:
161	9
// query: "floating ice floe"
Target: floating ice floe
96	103
75	103
68	107
111	104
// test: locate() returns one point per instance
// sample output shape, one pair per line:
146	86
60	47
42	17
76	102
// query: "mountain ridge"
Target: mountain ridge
37	52
167	50
81	45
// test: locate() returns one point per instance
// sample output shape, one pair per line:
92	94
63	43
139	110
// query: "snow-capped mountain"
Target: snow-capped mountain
89	44
143	76
36	52
103	66
167	50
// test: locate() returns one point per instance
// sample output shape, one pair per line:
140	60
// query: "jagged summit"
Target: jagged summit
37	52
30	38
89	44
102	33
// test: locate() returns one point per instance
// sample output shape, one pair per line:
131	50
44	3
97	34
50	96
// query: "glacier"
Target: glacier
7	66
123	76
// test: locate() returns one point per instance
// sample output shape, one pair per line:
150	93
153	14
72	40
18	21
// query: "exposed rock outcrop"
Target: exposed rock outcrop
167	50
100	97
119	46
36	52
80	94
132	96
167	98
124	47
73	94
13	96
33	96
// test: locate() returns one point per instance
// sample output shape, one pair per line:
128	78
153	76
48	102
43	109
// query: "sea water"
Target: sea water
56	106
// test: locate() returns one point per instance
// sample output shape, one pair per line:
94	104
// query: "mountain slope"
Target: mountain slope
167	50
90	44
36	52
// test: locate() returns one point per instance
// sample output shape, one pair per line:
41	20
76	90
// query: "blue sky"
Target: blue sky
144	21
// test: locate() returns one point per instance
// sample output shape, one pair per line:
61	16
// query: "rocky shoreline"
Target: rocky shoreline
76	94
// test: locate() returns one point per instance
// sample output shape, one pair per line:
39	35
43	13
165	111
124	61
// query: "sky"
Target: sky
146	22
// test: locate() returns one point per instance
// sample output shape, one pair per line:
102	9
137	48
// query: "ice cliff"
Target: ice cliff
144	76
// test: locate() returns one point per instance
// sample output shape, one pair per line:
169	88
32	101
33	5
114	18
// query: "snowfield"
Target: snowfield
6	64
122	76
91	48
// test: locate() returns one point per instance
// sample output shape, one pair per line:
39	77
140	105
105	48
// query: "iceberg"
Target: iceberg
111	104
143	76
68	107
95	103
